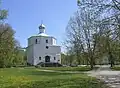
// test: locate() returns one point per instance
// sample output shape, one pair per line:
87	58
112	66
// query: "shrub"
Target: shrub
115	68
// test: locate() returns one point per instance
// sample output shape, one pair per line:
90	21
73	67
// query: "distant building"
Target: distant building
43	48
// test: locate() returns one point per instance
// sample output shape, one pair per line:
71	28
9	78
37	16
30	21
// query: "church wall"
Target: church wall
30	55
53	41
59	58
41	51
30	41
38	52
37	49
42	45
53	49
41	39
52	55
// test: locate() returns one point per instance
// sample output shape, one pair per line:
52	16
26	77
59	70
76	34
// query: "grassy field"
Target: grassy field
82	68
117	68
34	78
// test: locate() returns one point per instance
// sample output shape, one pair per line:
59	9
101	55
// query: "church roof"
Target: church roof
41	32
42	35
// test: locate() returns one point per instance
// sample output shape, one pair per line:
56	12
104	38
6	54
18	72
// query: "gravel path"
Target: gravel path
109	77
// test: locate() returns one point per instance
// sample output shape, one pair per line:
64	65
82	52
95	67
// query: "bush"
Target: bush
49	65
115	68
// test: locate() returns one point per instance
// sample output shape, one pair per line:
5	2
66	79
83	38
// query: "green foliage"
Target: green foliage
3	14
34	78
6	45
19	57
116	68
10	50
78	2
10	53
63	58
67	59
93	32
6	41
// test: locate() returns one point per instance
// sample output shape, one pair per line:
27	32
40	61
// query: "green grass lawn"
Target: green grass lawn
82	68
34	78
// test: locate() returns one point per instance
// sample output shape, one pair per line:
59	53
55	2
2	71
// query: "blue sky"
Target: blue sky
25	16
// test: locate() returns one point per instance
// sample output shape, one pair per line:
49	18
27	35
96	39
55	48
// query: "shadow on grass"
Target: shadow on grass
39	72
43	73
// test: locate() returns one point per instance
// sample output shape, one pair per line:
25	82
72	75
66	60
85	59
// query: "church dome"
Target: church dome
42	26
41	33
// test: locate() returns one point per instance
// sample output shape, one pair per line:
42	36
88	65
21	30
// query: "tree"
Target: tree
6	44
109	17
63	58
10	53
89	26
83	30
111	23
116	4
3	16
19	55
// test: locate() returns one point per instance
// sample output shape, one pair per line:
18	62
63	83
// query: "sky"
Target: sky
26	15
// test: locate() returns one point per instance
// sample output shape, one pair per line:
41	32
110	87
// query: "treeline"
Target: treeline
93	32
71	60
10	49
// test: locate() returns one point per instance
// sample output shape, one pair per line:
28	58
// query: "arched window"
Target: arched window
54	58
39	58
36	41
47	41
47	47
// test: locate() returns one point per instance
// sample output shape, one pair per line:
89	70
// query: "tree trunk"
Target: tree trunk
91	63
111	65
111	59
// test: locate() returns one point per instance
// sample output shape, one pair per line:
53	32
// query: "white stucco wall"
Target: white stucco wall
41	40
39	50
30	55
53	41
53	49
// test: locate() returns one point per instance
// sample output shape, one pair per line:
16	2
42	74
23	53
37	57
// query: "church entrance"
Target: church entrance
47	58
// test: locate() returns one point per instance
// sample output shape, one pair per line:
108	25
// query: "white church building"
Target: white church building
43	48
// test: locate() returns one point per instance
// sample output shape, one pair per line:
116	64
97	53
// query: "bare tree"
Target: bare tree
81	28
